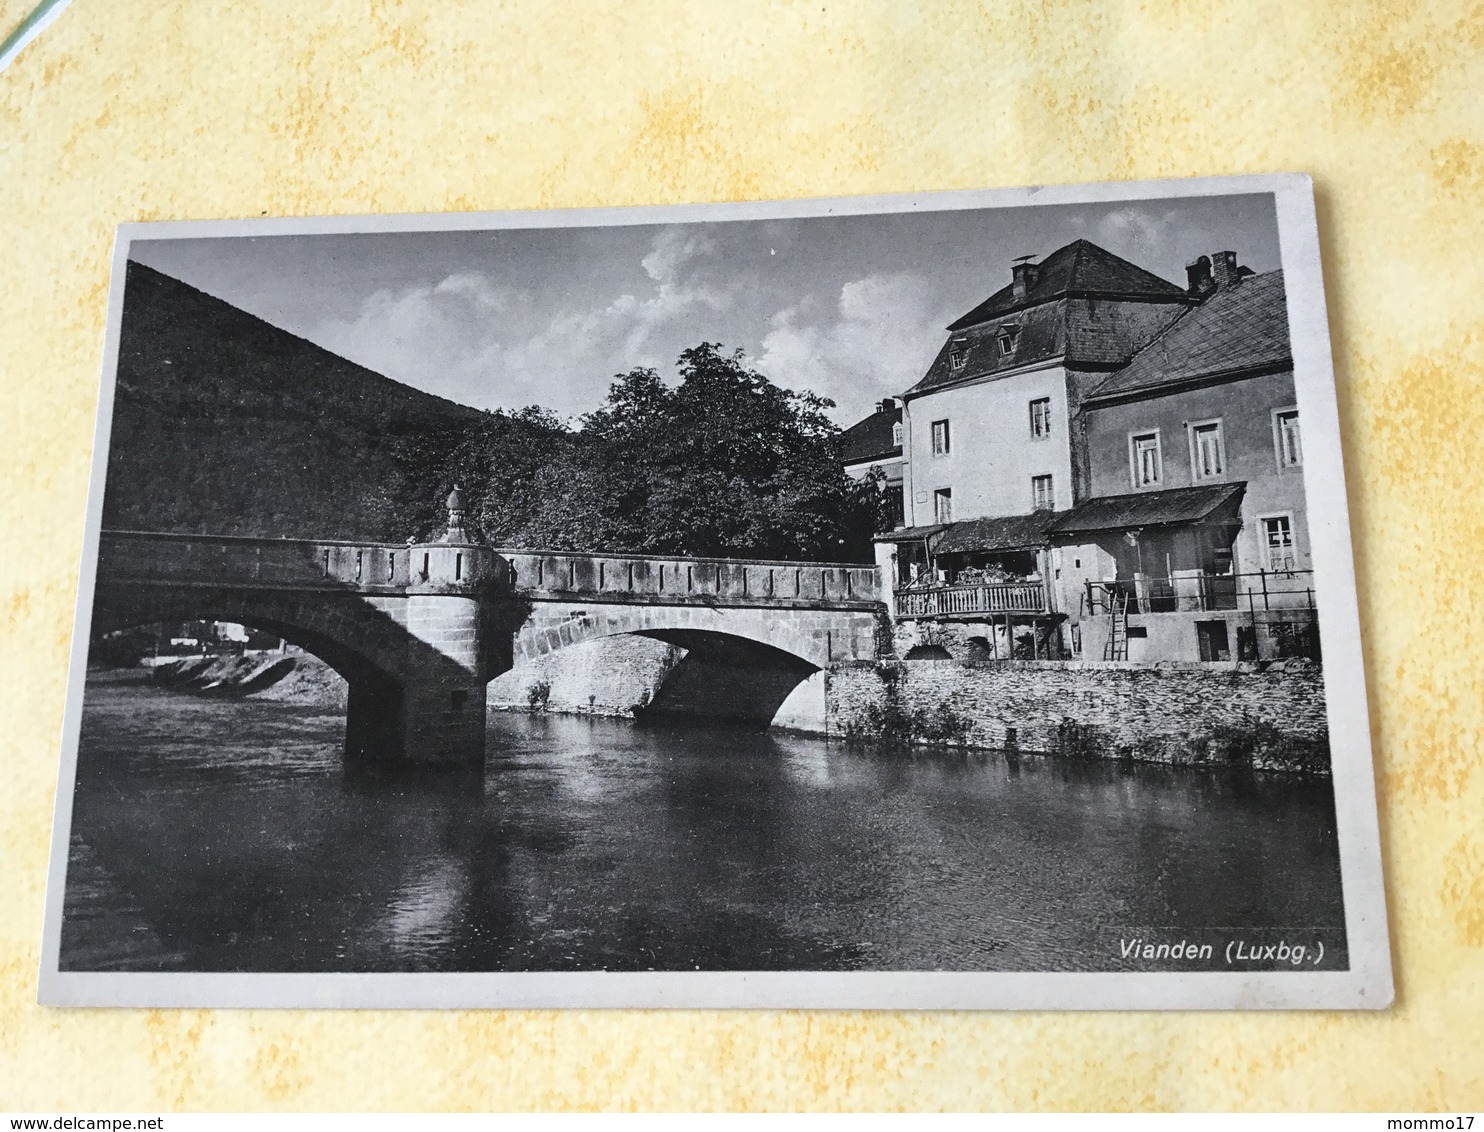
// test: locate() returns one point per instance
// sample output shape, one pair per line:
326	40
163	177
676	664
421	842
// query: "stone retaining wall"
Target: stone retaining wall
1190	713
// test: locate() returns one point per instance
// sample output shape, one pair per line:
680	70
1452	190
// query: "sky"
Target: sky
853	308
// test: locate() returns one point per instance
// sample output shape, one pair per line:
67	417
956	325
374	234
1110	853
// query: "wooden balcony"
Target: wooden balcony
967	600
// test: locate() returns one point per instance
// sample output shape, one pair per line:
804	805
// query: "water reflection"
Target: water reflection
218	835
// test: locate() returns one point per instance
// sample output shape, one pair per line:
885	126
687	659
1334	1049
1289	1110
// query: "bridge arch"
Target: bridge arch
752	666
347	635
817	638
724	676
363	643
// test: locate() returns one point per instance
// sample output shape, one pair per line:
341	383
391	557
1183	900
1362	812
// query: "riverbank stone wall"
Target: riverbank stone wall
1270	717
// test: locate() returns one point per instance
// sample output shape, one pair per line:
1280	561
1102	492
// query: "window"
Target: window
943	505
896	435
940	438
1043	498
1008	338
1286	439
958	354
1041	418
1207	456
1277	537
895	509
1145	456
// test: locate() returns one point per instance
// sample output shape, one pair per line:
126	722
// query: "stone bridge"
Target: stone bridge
418	630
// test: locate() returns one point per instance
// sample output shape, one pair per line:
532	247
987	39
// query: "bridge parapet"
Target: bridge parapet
152	557
723	581
149	557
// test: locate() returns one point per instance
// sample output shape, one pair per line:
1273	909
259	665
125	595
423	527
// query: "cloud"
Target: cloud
674	264
441	337
877	342
472	339
476	287
1141	228
1162	241
673	250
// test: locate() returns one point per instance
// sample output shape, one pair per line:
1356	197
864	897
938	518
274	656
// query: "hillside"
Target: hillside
225	424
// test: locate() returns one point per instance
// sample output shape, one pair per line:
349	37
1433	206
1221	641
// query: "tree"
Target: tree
496	462
724	463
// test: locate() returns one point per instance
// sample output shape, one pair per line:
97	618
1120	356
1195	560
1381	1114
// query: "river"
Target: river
227	835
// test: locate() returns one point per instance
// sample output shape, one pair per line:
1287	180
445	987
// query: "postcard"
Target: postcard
914	602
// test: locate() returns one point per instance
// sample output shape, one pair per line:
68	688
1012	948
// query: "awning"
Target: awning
1008	532
1208	503
913	534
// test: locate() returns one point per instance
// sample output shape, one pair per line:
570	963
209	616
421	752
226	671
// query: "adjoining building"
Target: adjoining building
1102	465
1195	543
873	445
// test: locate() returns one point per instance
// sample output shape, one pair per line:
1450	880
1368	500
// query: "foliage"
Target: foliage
1260	744
889	724
723	463
497	462
227	425
1082	741
538	692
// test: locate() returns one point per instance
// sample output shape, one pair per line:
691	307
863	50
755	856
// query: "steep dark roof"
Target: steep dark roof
1241	329
1057	319
1079	268
870	439
1153	508
1042	334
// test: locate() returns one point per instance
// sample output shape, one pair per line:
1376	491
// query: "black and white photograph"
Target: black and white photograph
920	602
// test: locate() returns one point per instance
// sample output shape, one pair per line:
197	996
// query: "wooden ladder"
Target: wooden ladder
1116	646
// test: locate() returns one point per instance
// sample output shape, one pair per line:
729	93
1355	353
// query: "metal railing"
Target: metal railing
986	597
1264	590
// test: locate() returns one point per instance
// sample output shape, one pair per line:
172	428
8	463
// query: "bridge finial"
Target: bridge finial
455	505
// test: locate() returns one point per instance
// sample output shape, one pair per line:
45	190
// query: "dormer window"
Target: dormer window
896	435
1008	339
958	354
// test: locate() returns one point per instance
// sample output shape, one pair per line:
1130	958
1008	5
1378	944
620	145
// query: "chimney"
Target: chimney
1198	276
1023	276
1224	271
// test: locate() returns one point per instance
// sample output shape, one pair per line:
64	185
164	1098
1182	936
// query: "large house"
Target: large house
1103	465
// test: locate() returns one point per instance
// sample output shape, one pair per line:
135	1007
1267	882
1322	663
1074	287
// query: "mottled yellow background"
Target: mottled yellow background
165	109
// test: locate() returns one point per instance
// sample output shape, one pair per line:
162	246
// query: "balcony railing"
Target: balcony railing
987	597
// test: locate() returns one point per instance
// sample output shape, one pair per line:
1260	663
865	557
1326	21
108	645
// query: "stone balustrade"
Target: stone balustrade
183	559
723	581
